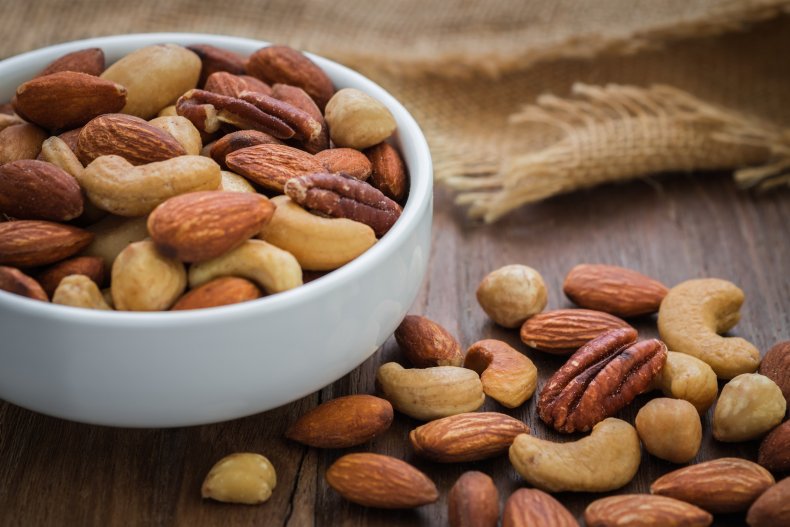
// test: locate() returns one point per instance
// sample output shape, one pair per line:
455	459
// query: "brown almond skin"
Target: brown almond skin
374	480
271	165
15	281
776	366
426	344
473	501
90	61
535	508
20	141
644	510
199	226
225	83
218	292
67	99
346	160
30	243
772	508
37	190
466	437
90	266
774	453
214	59
388	171
616	290
563	331
238	140
722	485
343	422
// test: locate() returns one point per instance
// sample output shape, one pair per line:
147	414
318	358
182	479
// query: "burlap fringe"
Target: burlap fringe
617	133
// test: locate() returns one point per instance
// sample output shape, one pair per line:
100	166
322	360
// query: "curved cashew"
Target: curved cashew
507	375
268	266
688	378
318	243
430	393
78	290
232	182
182	131
144	280
115	185
55	150
692	314
605	460
240	478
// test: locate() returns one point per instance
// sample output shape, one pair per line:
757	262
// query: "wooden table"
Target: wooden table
54	472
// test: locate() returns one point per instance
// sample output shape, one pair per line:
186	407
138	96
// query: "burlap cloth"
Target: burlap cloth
462	67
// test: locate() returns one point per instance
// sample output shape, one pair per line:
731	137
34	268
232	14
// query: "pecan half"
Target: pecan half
599	379
296	96
342	196
306	128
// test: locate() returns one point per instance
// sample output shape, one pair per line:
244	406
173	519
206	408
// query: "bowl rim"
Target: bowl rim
420	194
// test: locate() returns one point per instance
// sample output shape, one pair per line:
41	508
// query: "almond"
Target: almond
215	59
36	190
90	266
612	289
346	160
774	451
20	141
225	83
200	226
425	343
283	64
563	331
90	61
473	501
466	437
67	99
719	486
374	480
218	292
343	422
772	508
271	166
644	510
238	140
29	243
15	281
535	508
776	366
388	171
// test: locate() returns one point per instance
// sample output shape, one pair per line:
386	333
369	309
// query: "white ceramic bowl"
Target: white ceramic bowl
194	367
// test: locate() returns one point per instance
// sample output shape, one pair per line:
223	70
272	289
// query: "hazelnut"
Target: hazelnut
512	294
749	406
670	429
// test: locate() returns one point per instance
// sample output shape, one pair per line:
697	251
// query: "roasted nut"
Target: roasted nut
373	480
55	150
563	331
535	508
90	266
132	138
388	171
425	343
167	111
90	61
37	190
215	59
473	501
512	294
600	379
343	422
692	314
144	280
218	292
15	281
112	234
7	120
182	130
271	165
235	183
670	429
466	437
318	243
305	127
688	378
224	83
78	290
238	140
644	510
612	289
298	97
774	451
31	243
346	160
605	460
357	120
430	393
772	508
749	406
240	478
20	141
722	485
776	366
508	376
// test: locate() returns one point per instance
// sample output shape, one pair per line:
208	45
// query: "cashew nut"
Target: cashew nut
182	130
512	294
692	314
115	185
78	290
430	393
232	182
749	406
605	460
670	429
167	111
318	243
507	375
240	478
144	280
270	267
688	378
55	150
112	234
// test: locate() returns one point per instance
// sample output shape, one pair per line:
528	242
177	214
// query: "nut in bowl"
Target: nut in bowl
189	367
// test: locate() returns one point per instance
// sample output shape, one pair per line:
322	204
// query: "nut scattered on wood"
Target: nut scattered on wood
749	406
473	501
644	510
772	508
508	376
612	289
535	508
670	429
425	343
688	378
240	478
563	331
512	294
774	451
776	366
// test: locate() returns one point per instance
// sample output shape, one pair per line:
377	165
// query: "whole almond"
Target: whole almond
90	61
67	99
774	451
346	160
535	508
30	243
772	508
776	366
425	343
374	480
466	437
271	166
563	331
644	510
127	136
37	190
283	64
90	266
20	141
473	501
612	289
218	292
200	226
343	422
215	59
722	485
225	83
389	172
15	281
238	140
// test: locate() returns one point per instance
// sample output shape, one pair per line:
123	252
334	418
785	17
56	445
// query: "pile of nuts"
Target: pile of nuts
222	181
606	369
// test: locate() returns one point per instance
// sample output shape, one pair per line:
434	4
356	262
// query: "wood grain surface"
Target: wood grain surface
54	472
